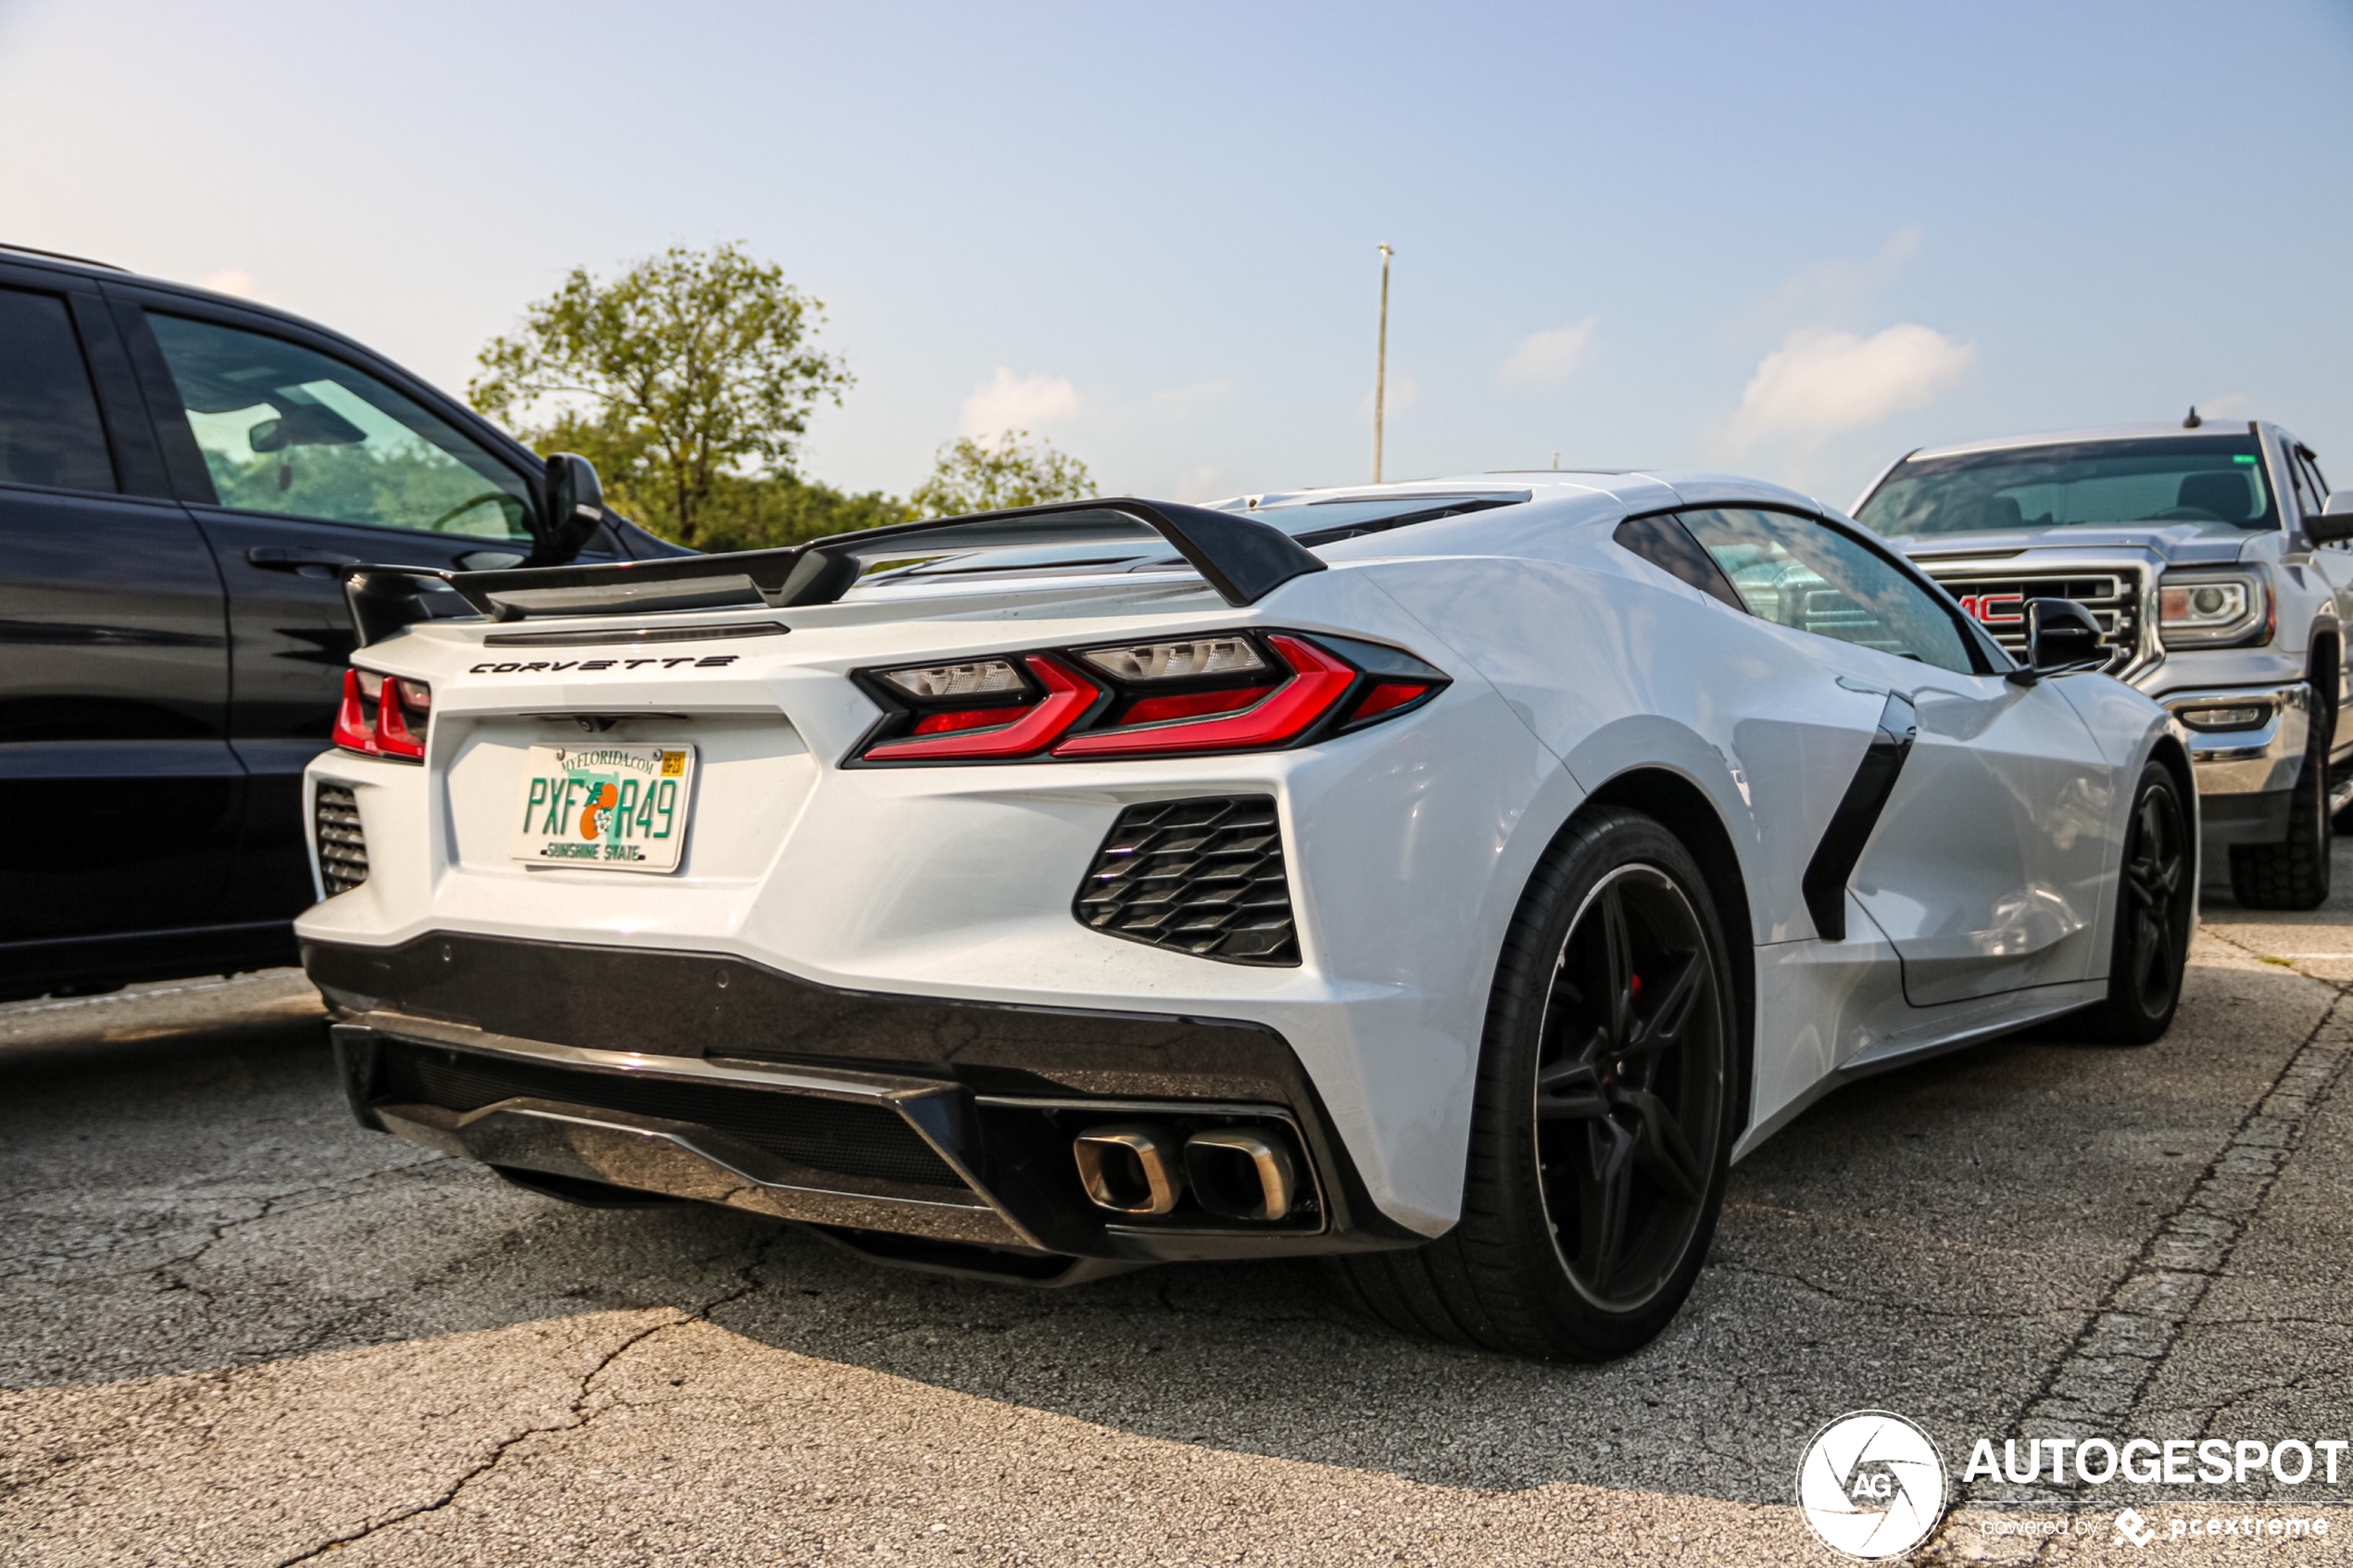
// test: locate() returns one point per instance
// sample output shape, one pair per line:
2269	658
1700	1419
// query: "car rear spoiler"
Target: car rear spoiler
1241	557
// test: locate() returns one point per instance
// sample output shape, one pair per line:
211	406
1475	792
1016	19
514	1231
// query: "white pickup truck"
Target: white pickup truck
2217	566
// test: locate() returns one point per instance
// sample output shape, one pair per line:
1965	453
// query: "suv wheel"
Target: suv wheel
2294	874
1608	1103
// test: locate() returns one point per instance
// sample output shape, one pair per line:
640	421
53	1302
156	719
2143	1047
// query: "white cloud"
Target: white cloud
232	280
1547	358
1006	402
1834	290
1822	381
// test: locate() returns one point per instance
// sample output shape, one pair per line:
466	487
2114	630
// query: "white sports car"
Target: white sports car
1453	877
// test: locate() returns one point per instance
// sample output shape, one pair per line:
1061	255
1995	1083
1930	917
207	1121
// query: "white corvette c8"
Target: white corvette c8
1454	878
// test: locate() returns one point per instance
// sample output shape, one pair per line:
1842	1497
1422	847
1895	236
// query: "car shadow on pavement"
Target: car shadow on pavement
1928	1241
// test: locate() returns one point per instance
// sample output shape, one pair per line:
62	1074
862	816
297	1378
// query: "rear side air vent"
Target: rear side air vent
1205	876
343	848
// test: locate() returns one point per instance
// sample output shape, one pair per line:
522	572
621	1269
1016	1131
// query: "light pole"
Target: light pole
1380	362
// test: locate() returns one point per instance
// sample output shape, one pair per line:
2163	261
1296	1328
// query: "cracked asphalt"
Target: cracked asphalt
239	1330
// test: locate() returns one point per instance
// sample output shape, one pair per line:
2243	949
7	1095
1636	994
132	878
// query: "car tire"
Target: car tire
1603	1120
2156	891
2294	874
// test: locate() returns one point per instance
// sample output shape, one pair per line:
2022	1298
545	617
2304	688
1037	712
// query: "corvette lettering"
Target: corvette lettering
539	666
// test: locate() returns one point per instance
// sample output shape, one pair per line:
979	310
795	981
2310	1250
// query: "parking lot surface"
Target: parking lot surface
240	1330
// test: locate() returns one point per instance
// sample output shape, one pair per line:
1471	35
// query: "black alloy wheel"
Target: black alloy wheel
2154	906
1611	1078
1629	1085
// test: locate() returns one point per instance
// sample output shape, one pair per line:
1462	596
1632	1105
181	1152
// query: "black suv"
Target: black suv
180	474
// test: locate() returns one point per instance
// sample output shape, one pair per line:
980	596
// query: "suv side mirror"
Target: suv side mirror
2335	522
575	506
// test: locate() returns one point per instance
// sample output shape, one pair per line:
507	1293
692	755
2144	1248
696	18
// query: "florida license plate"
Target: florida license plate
606	808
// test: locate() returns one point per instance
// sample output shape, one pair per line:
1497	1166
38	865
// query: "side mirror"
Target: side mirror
575	506
2060	636
2335	522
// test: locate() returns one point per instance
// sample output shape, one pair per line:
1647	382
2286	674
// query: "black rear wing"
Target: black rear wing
1241	557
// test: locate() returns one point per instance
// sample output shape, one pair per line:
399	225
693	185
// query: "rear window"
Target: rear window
2215	482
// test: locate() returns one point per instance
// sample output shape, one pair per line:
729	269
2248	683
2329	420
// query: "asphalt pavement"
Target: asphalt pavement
240	1330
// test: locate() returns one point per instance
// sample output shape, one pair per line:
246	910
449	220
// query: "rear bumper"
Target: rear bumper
946	1126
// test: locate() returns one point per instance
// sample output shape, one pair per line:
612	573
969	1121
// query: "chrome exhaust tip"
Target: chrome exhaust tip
1130	1168
1239	1174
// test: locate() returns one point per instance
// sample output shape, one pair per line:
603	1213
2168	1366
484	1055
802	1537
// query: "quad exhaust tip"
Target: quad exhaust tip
1240	1174
1130	1168
1136	1168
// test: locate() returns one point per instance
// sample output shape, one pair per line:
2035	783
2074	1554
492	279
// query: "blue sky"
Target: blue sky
1792	240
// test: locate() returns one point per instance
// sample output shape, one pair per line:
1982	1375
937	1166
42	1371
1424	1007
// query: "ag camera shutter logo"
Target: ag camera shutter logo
1871	1484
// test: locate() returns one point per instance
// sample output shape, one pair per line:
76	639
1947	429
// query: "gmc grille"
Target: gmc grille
343	848
2113	597
1204	876
823	1135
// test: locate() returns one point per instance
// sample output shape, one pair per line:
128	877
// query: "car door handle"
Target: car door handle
294	557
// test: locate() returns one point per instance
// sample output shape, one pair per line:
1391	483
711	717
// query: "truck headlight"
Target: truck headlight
2213	610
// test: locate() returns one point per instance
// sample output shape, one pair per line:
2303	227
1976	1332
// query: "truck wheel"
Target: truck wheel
2153	914
1606	1107
2294	874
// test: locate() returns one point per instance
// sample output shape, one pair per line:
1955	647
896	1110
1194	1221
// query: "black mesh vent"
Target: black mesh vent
1205	876
826	1134
343	848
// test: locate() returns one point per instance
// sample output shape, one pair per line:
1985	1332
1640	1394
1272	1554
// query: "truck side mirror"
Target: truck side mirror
2335	522
575	500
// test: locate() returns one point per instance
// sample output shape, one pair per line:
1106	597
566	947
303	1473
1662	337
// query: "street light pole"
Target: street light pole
1381	364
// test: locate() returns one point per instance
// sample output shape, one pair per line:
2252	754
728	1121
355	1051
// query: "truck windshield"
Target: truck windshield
2213	481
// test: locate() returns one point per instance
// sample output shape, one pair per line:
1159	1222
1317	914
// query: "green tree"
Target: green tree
687	377
971	475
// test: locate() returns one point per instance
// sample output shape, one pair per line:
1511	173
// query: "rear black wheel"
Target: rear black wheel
1606	1108
2155	890
2294	874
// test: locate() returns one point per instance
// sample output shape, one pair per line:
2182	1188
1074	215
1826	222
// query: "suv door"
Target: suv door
293	456
1986	864
119	795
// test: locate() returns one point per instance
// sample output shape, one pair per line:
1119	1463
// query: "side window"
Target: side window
286	429
49	429
2299	474
1668	546
2307	469
1797	572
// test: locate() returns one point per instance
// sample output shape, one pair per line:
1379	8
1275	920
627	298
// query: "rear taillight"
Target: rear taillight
383	715
1220	692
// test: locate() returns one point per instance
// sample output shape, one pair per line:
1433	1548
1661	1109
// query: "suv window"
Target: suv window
2310	488
1801	572
286	429
49	429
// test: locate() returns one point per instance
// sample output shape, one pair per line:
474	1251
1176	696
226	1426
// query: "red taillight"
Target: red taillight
1387	697
1317	681
1191	705
1068	696
1233	691
383	715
